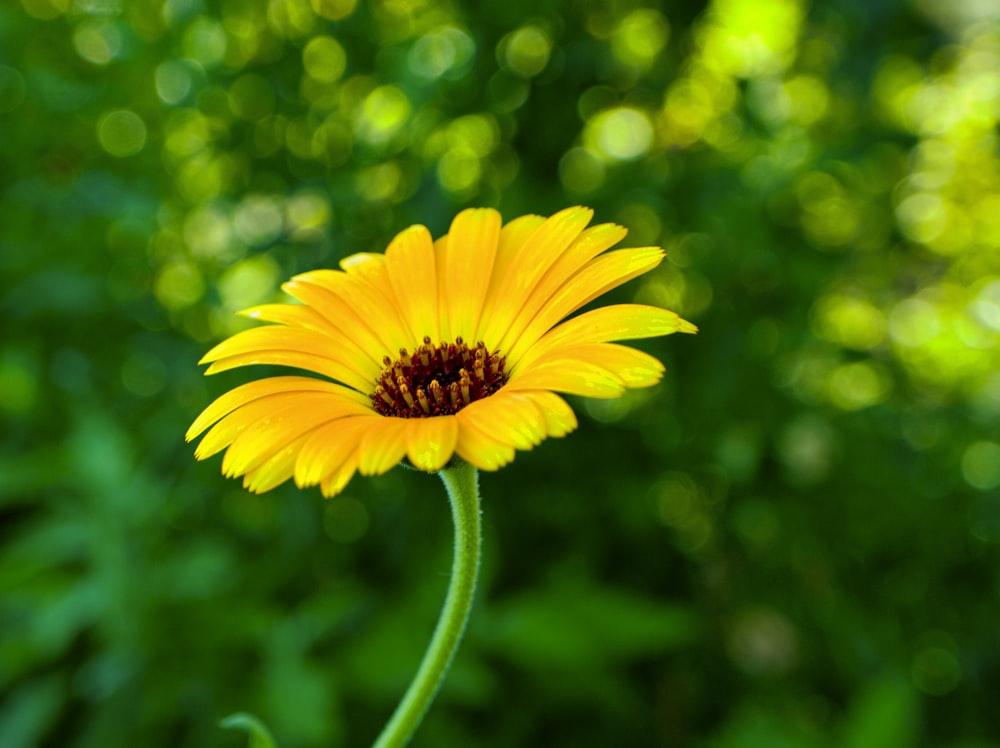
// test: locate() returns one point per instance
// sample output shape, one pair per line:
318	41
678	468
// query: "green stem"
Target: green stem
462	483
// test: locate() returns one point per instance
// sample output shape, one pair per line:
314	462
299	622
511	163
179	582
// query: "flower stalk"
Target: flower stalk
462	484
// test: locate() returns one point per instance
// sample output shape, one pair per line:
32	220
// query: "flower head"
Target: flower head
435	348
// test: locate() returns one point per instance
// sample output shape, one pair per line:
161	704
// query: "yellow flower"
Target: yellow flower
436	348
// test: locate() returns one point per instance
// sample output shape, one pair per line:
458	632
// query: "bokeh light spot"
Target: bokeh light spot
307	215
440	52
580	171
324	59
763	642
187	133
526	51
986	307
808	99
205	42
922	217
121	133
981	465
476	133
380	182
334	10
610	410
96	42
295	18
249	282
173	81
643	222
640	37
620	134
913	322
850	321
207	233
383	113
459	170
179	285
258	220
750	39
806	448
45	10
858	385
689	293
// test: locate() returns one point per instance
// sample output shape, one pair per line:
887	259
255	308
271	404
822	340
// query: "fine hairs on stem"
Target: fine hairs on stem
462	484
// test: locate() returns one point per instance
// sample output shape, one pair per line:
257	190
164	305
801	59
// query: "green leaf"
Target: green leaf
260	736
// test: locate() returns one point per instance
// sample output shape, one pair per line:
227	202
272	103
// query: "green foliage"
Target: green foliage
792	541
260	737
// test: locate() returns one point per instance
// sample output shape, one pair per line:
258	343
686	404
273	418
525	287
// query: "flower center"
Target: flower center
437	380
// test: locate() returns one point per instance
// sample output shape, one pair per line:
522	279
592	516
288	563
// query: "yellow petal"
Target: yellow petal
337	480
369	265
304	349
274	472
413	276
480	449
559	417
615	322
366	317
465	264
519	269
430	442
328	447
251	391
292	359
635	368
281	426
274	337
291	315
383	445
444	303
509	416
225	431
370	275
581	378
584	248
597	277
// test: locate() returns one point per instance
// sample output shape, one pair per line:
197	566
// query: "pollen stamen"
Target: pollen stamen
437	379
425	404
437	392
465	384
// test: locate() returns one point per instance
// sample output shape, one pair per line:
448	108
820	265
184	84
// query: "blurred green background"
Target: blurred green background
793	541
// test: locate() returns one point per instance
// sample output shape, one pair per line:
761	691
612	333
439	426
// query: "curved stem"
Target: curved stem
462	483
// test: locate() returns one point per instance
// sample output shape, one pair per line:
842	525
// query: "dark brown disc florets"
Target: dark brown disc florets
437	380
